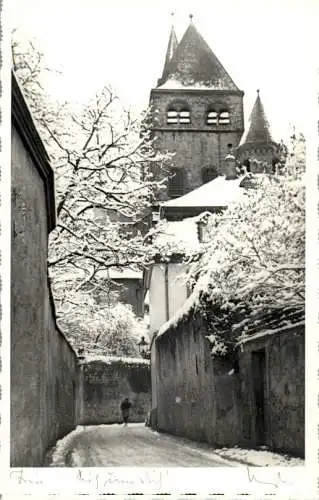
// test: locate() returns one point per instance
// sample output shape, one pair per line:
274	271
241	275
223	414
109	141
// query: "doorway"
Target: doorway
259	389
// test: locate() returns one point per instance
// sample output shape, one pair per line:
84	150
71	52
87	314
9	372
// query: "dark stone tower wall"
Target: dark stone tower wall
197	145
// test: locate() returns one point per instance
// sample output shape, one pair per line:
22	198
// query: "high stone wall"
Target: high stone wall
44	369
106	382
214	399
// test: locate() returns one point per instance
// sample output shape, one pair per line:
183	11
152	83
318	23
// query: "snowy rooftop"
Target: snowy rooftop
112	273
193	63
183	232
266	333
178	236
217	193
121	273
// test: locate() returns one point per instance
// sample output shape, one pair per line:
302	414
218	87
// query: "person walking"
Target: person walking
125	409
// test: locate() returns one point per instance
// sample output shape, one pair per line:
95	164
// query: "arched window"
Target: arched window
212	117
216	117
208	174
224	118
178	113
175	183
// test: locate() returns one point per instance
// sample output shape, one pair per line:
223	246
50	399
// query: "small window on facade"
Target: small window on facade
224	118
175	183
208	174
212	117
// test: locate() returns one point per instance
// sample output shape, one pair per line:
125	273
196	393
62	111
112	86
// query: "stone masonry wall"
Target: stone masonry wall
105	385
284	390
197	145
44	371
204	398
196	397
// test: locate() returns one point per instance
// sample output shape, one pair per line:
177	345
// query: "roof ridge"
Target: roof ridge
194	62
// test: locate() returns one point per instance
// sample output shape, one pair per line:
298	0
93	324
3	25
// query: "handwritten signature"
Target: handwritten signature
102	481
19	477
111	478
275	483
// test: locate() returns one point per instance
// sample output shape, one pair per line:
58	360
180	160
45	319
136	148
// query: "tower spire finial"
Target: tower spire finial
258	91
191	17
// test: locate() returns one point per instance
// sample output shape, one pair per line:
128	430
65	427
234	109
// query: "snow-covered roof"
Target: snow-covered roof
218	192
193	62
121	273
268	332
111	273
184	231
177	236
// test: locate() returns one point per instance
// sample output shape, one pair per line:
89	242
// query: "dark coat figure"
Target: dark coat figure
125	409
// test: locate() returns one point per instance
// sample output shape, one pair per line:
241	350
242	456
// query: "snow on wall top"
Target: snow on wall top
266	333
218	192
89	358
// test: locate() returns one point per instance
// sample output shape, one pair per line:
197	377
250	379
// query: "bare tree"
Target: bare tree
104	161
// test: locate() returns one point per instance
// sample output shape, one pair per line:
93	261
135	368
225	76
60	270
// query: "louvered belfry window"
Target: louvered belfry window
214	117
172	116
178	114
223	118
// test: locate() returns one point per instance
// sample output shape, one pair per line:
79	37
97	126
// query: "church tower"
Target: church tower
197	113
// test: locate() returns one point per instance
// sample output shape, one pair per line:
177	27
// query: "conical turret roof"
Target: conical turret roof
171	49
194	64
259	130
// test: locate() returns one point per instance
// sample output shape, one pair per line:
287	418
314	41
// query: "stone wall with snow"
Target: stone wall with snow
196	396
107	381
254	396
272	374
44	370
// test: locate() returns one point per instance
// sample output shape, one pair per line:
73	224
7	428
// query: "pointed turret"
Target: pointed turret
171	49
257	150
259	130
194	64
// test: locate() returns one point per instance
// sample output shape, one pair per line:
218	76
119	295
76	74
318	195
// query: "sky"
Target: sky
269	45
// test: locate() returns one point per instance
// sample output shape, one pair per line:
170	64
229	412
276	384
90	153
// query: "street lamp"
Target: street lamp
143	347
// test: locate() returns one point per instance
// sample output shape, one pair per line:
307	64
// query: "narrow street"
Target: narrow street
135	445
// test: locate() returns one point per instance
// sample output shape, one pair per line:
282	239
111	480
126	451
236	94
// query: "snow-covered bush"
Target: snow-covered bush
255	257
109	329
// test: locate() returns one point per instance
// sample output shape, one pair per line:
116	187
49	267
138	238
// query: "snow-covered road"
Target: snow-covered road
135	445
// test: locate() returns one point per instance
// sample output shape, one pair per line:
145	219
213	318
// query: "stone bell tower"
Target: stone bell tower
197	113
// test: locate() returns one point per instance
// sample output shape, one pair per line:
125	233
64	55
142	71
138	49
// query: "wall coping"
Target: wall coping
112	360
25	126
267	333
